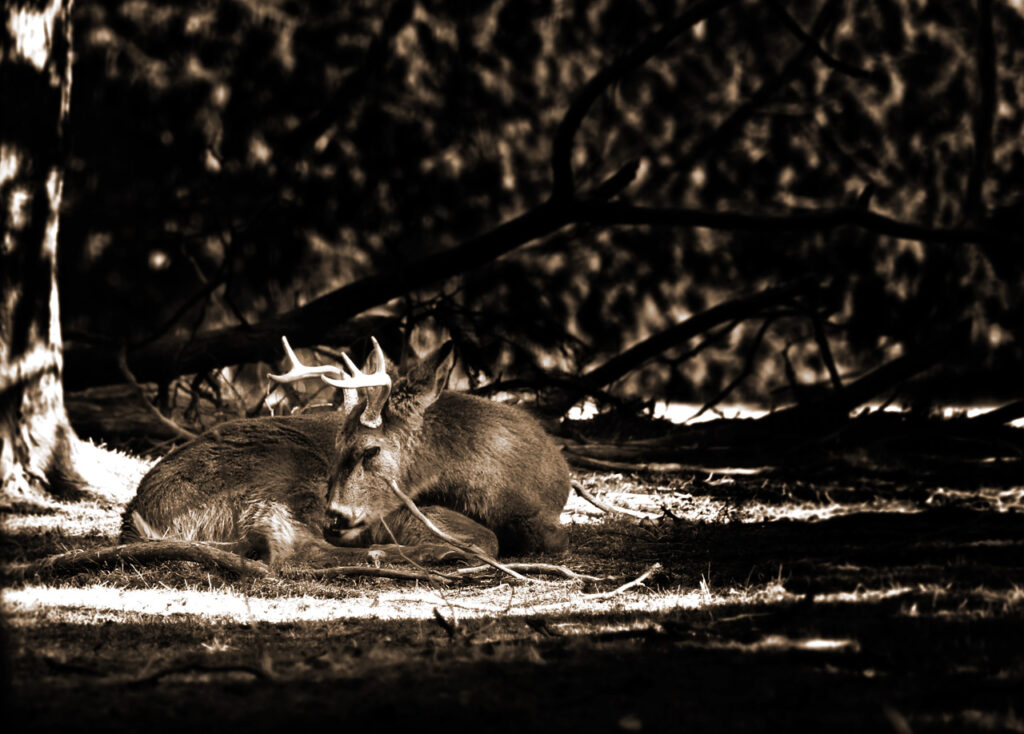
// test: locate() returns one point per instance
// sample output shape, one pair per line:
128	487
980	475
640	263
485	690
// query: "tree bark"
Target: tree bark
36	440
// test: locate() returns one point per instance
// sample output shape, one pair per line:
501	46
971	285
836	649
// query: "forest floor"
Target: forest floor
852	596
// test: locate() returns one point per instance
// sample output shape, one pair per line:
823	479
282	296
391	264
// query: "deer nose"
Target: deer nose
346	516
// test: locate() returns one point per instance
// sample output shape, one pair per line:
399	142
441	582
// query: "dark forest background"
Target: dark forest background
232	162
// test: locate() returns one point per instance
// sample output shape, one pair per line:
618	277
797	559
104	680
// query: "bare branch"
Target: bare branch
563	186
543	568
615	183
638	581
334	572
748	368
636	355
575	458
875	77
800	220
1005	414
826	351
609	507
122	363
734	123
984	113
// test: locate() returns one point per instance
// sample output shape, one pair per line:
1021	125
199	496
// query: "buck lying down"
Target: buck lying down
315	489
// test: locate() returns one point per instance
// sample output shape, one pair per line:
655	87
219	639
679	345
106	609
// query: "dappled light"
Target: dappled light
514	366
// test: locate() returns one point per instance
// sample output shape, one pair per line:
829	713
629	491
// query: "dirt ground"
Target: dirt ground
845	599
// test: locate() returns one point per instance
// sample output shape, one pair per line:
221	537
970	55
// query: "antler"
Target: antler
301	371
375	399
352	378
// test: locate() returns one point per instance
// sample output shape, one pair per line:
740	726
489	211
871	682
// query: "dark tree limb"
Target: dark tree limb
567	383
563	185
984	112
638	354
140	394
821	338
615	183
790	23
353	86
733	124
837	405
800	220
748	368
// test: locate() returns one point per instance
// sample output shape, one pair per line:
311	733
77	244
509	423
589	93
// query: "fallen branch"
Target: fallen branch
1006	414
334	572
548	568
588	462
150	551
638	581
608	507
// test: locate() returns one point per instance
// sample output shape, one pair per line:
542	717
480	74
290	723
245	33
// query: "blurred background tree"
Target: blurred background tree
235	159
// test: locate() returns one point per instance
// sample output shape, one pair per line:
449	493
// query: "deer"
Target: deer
316	489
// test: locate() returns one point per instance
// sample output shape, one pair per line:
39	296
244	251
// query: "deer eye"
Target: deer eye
369	454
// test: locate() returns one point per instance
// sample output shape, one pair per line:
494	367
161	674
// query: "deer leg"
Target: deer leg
420	544
540	533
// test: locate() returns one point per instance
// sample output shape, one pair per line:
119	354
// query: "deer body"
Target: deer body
315	488
487	461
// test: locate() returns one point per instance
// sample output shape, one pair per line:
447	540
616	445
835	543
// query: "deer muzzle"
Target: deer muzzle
346	517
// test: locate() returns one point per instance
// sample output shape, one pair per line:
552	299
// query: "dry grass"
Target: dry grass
843	603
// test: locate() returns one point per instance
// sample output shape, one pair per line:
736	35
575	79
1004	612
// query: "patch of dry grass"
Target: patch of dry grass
792	595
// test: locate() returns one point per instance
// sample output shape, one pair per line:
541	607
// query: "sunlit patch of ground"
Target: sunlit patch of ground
96	604
850	603
111	477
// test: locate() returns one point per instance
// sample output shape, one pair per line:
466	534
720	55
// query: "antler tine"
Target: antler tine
379	379
358	378
301	371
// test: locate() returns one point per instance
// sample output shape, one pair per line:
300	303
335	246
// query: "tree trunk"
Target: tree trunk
36	440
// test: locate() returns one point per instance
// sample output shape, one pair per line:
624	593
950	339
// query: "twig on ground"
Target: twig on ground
259	671
638	581
600	504
371	571
590	462
548	568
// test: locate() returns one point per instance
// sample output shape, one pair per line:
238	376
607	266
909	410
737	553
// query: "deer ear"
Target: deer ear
443	361
423	383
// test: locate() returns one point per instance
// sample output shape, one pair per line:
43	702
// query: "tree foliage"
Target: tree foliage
235	159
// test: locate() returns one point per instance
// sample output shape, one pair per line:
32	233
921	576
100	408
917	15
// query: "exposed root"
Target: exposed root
149	551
